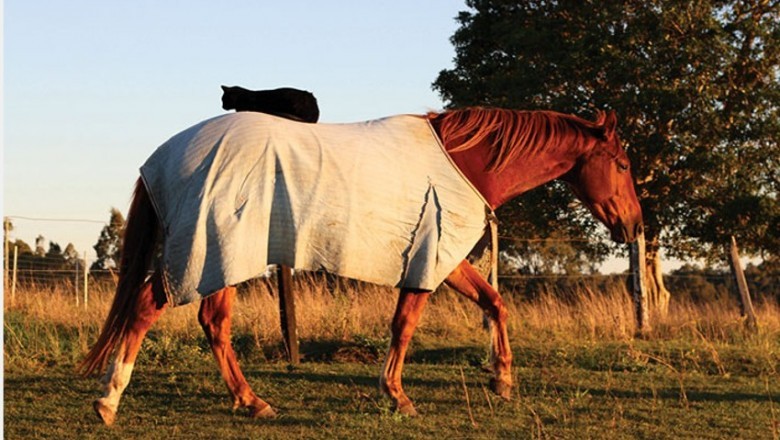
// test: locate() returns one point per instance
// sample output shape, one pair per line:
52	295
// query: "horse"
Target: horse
498	153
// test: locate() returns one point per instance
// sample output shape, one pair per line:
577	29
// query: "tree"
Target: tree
54	259
71	255
40	240
109	244
55	251
22	247
695	84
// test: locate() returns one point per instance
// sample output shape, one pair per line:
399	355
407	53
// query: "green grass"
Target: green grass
340	400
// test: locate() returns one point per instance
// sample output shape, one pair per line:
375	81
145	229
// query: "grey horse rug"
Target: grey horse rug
378	201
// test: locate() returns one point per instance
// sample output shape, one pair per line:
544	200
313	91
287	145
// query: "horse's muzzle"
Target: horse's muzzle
623	233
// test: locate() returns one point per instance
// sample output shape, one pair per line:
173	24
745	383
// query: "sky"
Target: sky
92	88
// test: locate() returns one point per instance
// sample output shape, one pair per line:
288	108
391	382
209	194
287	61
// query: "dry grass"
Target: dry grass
341	310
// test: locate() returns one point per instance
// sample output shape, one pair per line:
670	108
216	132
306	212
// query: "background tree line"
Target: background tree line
695	85
108	249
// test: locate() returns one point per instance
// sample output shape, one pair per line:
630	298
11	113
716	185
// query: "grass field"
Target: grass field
578	371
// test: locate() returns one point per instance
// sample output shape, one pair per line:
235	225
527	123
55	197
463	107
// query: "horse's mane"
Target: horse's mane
514	134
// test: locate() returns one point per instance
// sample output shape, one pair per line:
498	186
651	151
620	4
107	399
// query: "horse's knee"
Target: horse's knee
215	322
497	310
215	309
204	317
210	322
402	334
212	309
502	313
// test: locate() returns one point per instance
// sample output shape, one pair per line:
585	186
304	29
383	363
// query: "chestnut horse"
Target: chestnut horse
503	153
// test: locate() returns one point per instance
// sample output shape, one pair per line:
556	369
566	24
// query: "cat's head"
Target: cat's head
230	96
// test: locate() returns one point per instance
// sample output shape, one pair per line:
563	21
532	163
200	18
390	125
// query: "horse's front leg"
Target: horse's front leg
407	314
150	304
214	317
467	281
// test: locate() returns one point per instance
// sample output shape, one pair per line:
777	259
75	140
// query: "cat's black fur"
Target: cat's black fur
285	102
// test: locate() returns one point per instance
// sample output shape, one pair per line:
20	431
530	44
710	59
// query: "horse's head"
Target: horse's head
602	179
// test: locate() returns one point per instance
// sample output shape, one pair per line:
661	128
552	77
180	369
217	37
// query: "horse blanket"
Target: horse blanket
378	201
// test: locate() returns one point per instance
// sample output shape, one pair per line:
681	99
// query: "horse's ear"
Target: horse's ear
610	125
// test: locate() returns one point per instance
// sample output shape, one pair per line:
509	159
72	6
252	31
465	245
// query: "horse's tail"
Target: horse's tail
137	253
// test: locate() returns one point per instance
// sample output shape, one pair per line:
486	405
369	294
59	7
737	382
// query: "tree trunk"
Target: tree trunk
658	296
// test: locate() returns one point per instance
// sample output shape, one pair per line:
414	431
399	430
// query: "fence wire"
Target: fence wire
38	269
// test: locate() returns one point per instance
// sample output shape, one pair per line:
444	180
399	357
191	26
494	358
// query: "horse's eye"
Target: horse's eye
622	167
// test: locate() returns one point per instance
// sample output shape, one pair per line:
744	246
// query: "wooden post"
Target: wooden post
493	277
287	313
85	276
6	250
639	285
76	290
13	283
745	304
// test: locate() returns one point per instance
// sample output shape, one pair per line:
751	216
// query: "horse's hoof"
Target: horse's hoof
265	413
503	389
104	412
406	410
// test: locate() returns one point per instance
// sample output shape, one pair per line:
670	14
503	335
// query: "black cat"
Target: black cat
286	102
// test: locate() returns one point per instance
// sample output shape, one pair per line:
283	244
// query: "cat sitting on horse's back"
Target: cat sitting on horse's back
285	102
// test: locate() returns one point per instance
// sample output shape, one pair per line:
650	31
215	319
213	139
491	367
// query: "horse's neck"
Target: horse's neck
499	187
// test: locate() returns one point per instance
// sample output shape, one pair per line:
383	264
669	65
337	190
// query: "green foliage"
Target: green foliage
695	85
547	212
710	285
764	279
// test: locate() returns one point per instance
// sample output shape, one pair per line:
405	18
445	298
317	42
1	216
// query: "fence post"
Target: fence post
639	285
76	292
85	276
745	304
13	283
6	250
493	276
287	312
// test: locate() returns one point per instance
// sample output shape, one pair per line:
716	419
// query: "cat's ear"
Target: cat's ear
225	88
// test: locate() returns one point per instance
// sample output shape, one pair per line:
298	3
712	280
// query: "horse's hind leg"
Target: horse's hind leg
407	314
467	281
214	317
150	304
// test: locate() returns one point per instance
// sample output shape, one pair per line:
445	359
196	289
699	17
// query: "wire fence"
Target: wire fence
73	270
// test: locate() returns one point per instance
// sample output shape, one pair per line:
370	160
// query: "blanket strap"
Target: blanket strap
492	220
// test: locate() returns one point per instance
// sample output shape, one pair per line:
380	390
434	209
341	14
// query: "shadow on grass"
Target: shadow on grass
674	394
372	351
